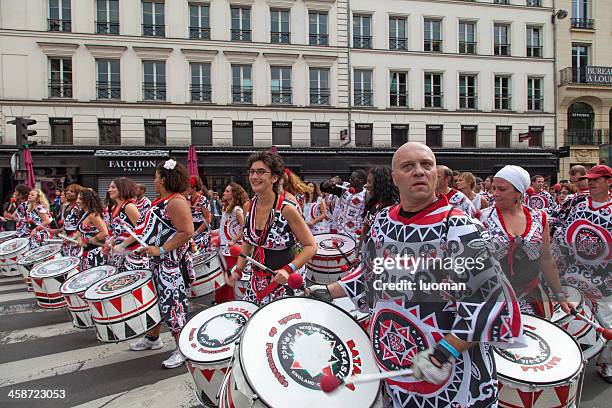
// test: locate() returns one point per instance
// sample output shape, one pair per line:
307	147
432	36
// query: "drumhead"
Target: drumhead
211	335
83	280
13	245
203	258
4	235
551	355
289	344
55	267
325	244
36	255
117	284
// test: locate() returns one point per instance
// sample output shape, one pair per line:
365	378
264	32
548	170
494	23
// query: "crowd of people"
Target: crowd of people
531	238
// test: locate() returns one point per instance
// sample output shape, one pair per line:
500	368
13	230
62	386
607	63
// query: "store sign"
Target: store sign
244	125
434	127
130	165
60	121
281	124
201	123
599	75
469	128
319	125
109	122
504	128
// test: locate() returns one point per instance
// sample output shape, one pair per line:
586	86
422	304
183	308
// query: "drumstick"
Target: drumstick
131	232
236	251
350	189
606	333
330	383
64	237
336	245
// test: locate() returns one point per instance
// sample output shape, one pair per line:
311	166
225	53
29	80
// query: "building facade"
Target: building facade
584	61
134	80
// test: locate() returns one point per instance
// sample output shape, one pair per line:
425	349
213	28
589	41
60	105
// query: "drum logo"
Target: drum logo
396	341
119	282
536	353
307	351
221	330
85	280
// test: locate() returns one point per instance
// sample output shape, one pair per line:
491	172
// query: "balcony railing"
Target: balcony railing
398	43
318	39
534	51
108	90
361	41
60	89
281	96
242	94
240	35
432	45
586	23
398	99
105	27
501	1
588	137
319	96
467	47
280	37
201	93
55	24
501	49
503	103
153	30
363	98
153	92
199	33
586	75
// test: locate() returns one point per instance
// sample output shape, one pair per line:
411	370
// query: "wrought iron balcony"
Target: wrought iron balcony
398	99
318	39
201	93
534	51
199	33
58	89
108	90
153	92
586	23
105	27
432	45
242	94
503	103
586	75
280	37
466	47
281	96
363	98
55	24
398	43
153	30
501	49
361	41
240	35
586	137
319	96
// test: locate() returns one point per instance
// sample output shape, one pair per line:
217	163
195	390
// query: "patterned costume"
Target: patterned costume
229	229
131	261
143	204
348	212
156	229
541	201
274	247
23	227
489	197
70	219
406	321
35	219
92	254
459	200
202	240
312	211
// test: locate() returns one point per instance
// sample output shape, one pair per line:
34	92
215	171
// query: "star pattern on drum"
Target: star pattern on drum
313	353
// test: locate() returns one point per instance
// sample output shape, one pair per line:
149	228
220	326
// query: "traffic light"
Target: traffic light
22	133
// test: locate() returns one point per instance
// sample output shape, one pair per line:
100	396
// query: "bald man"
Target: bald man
439	332
455	197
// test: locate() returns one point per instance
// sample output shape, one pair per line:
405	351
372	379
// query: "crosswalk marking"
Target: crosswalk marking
33	333
20	308
6	288
16	296
16	279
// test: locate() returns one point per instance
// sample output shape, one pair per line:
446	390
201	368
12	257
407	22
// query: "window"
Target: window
60	78
580	15
399	135
363	134
109	132
363	87
59	16
580	60
433	35
399	89
61	131
319	86
199	21
109	79
468	96
467	37
534	42
397	33
242	133
241	24
501	1
155	132
317	28
319	134
535	97
503	135
201	132
281	85
279	23
362	32
153	19
201	90
281	133
242	87
502	39
433	135
502	93
433	90
468	135
154	83
107	17
533	3
535	136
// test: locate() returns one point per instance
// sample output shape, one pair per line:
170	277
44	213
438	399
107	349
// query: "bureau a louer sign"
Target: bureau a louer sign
599	75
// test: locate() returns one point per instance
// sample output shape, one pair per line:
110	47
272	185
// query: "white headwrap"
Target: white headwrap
517	176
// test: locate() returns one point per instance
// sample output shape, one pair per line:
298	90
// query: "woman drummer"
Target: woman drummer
273	228
521	239
38	217
315	210
19	215
69	216
167	228
92	229
200	212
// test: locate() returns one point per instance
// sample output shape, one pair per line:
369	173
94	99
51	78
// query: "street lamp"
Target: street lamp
559	15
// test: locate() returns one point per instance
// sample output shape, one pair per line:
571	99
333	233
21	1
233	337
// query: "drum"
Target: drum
124	305
326	266
74	289
6	235
34	257
10	252
590	341
545	373
242	285
208	274
208	340
286	348
348	306
48	277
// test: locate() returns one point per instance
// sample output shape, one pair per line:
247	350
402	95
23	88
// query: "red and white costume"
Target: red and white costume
348	212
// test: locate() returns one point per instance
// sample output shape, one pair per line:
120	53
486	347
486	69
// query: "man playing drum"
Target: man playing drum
439	301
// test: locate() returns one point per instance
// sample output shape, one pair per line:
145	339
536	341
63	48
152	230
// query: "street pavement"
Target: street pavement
41	350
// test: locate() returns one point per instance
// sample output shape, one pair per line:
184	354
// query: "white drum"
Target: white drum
74	289
48	277
6	235
242	285
35	257
208	274
326	266
286	348
124	305
208	340
10	252
590	341
348	306
546	373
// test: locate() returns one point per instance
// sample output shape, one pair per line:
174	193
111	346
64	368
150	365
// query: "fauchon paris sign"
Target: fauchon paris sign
129	162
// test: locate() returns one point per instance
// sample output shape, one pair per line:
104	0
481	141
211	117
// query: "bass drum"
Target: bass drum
328	263
208	274
37	256
48	277
11	251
